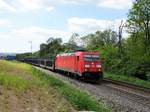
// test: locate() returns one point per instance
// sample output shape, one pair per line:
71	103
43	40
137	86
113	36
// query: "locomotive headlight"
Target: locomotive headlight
87	66
98	66
85	69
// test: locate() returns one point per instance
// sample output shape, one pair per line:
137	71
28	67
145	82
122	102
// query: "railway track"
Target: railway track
128	85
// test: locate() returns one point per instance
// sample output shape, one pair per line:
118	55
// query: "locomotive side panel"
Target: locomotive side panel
66	63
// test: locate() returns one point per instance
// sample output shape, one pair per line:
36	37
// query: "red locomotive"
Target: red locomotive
86	65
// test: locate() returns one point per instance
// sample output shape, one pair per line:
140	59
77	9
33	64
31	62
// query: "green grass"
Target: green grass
9	80
128	79
18	76
9	77
78	98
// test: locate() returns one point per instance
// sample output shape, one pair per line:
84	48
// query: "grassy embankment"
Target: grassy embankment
20	91
35	90
128	79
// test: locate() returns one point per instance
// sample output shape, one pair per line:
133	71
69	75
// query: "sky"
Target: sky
23	21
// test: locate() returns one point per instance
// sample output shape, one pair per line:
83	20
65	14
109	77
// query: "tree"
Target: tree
43	49
73	39
120	39
109	37
50	40
100	39
52	47
139	20
138	47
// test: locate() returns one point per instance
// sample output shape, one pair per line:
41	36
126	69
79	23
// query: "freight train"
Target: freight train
83	65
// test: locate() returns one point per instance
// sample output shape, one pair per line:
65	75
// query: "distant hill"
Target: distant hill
6	54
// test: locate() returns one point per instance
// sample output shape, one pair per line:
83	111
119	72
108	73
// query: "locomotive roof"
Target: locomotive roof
66	54
78	53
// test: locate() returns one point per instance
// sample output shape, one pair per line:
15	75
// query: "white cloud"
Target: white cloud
17	39
89	25
77	2
31	4
38	32
50	8
36	4
4	23
49	5
26	5
7	7
115	4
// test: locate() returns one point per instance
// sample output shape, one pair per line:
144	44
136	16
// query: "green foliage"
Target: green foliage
78	98
24	55
137	46
51	48
100	39
139	21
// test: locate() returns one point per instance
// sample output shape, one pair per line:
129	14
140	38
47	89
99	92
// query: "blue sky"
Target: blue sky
22	21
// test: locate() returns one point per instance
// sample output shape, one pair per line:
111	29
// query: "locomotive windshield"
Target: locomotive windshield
91	57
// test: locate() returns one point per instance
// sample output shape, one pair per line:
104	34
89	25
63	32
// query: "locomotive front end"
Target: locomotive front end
92	66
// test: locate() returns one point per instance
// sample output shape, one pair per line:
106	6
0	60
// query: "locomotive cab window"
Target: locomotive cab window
91	57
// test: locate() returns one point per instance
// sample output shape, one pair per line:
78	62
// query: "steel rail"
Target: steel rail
129	85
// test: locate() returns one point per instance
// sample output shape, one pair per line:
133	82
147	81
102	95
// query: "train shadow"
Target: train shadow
77	78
